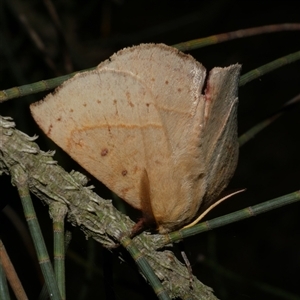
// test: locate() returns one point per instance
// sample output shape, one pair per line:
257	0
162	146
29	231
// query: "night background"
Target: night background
257	258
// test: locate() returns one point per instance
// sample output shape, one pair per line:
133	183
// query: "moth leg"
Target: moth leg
148	220
187	263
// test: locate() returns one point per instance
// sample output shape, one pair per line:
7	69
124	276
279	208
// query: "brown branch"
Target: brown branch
97	217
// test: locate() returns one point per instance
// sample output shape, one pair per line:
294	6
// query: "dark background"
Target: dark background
254	259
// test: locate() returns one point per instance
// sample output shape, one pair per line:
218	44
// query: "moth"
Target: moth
153	126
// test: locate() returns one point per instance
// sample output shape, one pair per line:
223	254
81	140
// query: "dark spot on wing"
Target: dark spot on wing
128	96
49	129
104	152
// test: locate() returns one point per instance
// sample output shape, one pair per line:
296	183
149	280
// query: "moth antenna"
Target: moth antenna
211	207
